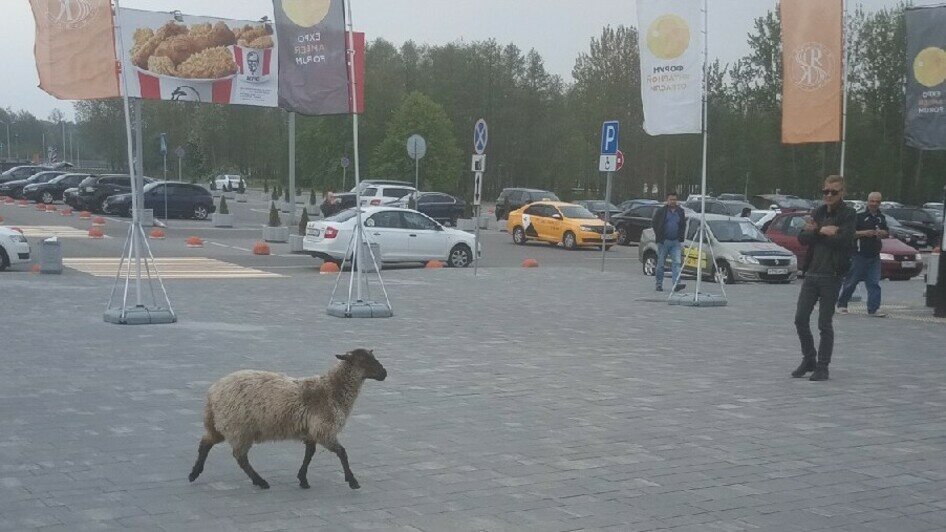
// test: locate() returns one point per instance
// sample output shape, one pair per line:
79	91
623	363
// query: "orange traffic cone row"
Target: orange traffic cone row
157	234
85	215
66	212
96	232
98	220
195	242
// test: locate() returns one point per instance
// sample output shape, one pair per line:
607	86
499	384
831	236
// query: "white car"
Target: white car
14	248
390	195
228	182
404	235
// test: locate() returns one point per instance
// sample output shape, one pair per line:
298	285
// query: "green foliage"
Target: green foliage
274	220
442	166
303	221
312	196
241	187
223	209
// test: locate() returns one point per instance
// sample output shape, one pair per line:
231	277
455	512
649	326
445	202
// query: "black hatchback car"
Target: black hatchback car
511	199
631	223
441	207
14	189
52	190
184	200
920	220
94	189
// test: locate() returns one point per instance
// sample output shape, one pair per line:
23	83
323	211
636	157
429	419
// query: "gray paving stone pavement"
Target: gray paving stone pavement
546	399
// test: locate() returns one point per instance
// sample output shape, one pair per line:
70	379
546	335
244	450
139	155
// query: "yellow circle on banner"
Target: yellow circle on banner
306	13
929	67
668	37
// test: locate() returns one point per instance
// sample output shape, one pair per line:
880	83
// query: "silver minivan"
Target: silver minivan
741	251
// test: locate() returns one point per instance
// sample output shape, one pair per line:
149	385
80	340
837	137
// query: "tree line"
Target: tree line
544	132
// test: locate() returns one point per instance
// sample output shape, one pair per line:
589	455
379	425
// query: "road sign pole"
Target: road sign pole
607	220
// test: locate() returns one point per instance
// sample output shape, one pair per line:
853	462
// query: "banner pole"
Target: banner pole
845	59
292	169
699	257
359	228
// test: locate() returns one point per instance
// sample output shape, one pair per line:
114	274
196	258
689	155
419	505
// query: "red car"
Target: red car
898	261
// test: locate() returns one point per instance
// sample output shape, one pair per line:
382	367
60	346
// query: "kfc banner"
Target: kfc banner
812	48
926	73
671	57
313	66
75	48
198	59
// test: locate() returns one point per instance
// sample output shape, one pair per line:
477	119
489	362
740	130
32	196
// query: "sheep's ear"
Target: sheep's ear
346	357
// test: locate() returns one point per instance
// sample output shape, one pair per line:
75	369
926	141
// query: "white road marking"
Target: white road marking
172	268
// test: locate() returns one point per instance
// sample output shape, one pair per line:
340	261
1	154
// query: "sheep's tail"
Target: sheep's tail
213	435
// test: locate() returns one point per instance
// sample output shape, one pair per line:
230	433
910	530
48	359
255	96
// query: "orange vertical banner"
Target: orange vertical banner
812	73
75	48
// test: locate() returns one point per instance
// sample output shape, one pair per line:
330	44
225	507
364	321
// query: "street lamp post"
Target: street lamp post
9	148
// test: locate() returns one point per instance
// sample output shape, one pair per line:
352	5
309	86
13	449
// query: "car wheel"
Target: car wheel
569	240
102	207
200	212
623	236
4	260
47	197
650	264
519	235
724	272
460	256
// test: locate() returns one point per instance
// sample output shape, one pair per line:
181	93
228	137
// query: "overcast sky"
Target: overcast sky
558	29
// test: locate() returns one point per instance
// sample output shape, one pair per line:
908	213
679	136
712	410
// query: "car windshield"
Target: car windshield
577	212
758	215
736	231
42	177
600	205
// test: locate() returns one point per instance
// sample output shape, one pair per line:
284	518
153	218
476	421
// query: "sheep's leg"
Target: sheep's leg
304	470
343	456
206	443
240	453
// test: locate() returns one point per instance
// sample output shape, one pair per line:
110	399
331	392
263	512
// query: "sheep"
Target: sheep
248	407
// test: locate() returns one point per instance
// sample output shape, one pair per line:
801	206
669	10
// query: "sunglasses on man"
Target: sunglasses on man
830	192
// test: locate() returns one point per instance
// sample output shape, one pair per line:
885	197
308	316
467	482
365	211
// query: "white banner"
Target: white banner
671	48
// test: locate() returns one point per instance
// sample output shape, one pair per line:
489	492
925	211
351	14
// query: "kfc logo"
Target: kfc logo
252	63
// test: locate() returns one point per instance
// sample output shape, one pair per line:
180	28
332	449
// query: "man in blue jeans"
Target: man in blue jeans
871	228
669	229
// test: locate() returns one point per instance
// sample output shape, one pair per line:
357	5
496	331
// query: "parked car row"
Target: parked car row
404	236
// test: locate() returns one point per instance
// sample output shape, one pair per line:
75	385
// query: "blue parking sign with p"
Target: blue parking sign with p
610	134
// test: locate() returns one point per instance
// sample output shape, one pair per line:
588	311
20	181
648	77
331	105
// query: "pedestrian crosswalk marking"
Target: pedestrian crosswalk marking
171	268
48	231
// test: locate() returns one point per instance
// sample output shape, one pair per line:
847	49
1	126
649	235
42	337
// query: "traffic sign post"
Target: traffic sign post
611	160
416	149
478	166
164	155
346	162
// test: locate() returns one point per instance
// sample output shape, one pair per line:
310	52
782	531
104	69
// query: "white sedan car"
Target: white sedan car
14	248
404	235
228	182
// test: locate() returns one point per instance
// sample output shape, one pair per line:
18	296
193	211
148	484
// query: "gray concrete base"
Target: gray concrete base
359	309
706	300
140	316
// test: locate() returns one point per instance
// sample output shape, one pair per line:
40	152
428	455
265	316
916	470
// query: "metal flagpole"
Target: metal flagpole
845	60
139	314
699	257
292	169
361	308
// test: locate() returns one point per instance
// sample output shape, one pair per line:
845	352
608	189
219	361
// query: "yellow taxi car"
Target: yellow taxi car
557	222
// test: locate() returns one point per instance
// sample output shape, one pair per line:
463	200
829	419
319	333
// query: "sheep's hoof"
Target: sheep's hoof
192	477
304	484
353	484
262	484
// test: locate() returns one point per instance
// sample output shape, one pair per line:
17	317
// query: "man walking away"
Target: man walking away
871	228
829	235
669	229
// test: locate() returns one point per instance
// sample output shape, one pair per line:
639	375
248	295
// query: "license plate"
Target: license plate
908	264
778	271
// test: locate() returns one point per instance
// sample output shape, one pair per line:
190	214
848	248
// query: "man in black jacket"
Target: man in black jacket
829	235
669	230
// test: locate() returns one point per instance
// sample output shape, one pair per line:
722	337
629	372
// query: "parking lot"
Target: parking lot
556	398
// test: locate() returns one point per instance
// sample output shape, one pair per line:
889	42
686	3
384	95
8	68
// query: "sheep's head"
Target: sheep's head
364	360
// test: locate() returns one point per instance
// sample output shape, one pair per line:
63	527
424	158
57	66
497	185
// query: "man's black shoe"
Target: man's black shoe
660	289
805	367
820	374
679	287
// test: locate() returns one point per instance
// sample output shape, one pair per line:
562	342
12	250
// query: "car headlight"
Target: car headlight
19	238
747	259
587	228
793	261
918	257
886	256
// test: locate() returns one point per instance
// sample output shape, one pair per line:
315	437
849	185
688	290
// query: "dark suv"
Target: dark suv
95	188
919	220
511	199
